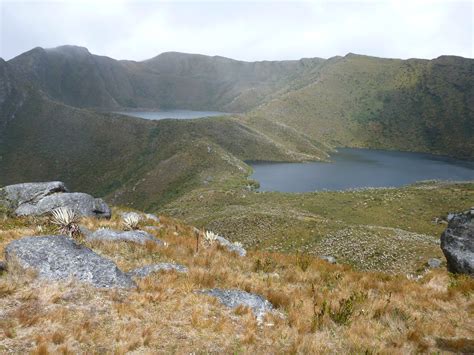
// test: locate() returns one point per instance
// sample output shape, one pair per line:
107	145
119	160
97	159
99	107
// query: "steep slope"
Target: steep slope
48	130
75	77
422	105
12	95
131	160
364	101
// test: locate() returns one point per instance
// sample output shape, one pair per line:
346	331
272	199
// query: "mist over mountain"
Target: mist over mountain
75	77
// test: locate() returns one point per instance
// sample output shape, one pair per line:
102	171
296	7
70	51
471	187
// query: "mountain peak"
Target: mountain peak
70	49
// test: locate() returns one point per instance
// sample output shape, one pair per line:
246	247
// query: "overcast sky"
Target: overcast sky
243	30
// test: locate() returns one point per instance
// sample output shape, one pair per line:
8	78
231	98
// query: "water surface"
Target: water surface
176	114
360	168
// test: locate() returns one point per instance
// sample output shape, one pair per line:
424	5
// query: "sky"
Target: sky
244	30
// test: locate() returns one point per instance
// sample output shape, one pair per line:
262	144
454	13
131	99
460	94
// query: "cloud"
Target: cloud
242	30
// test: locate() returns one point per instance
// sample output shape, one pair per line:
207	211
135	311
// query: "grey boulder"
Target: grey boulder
131	215
110	235
235	298
329	259
148	269
61	258
434	263
12	196
233	248
457	243
141	217
152	217
83	204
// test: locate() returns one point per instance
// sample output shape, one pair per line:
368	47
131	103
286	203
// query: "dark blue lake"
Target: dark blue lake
176	114
358	168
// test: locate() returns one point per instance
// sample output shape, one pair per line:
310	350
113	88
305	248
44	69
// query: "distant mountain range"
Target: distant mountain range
54	124
76	77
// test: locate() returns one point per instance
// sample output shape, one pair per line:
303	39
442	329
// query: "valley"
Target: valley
55	126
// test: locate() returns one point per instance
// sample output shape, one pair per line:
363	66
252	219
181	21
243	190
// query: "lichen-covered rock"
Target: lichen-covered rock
457	243
110	235
148	269
131	215
232	247
84	230
83	204
434	263
141	216
152	217
330	259
12	196
61	258
235	298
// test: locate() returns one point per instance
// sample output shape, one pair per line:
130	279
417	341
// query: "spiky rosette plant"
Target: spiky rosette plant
131	221
210	238
66	220
238	244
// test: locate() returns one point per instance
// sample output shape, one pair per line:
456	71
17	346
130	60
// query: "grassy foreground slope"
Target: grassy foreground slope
320	308
361	101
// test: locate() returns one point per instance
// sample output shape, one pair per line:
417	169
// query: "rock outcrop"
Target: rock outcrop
83	204
433	263
110	235
38	198
457	243
232	247
12	196
141	216
61	258
148	269
330	259
152	217
235	298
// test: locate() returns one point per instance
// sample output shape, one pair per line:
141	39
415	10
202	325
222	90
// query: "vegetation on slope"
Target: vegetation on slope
361	101
321	307
129	159
386	229
195	169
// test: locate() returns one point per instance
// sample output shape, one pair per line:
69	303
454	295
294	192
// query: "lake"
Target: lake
176	114
359	168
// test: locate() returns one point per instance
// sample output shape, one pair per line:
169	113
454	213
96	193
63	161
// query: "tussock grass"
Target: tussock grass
320	307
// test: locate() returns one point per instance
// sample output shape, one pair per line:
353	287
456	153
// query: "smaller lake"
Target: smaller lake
360	168
176	114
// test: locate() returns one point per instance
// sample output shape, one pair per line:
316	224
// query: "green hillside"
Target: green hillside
131	160
53	124
360	101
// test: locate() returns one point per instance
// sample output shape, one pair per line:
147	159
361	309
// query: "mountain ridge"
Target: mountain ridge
170	79
301	111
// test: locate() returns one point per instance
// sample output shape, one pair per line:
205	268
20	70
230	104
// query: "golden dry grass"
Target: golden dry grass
320	307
